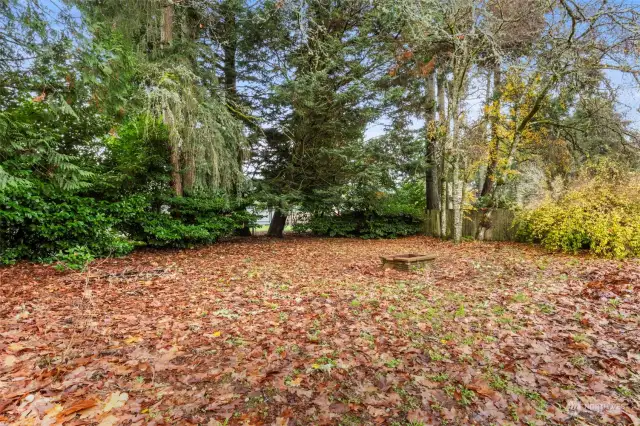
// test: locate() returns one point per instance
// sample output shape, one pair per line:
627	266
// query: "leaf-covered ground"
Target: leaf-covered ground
312	331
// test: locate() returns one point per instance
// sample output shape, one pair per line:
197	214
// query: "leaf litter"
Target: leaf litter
312	331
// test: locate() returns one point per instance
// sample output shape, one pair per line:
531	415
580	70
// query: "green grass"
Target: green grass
265	228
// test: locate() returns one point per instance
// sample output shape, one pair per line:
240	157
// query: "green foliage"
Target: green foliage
210	140
88	126
601	215
74	258
371	215
73	229
37	225
179	222
33	148
362	225
136	158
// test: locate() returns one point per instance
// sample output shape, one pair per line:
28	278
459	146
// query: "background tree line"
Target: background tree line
126	122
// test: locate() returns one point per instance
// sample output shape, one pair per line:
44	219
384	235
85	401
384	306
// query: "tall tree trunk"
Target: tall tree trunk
442	125
230	79
431	173
278	222
176	176
189	174
444	202
492	164
166	38
229	50
456	181
166	32
188	22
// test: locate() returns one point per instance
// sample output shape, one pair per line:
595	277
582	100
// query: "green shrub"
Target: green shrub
602	215
75	258
180	222
38	226
72	229
369	214
380	215
361	224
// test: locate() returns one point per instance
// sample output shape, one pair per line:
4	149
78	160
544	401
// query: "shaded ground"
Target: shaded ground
312	331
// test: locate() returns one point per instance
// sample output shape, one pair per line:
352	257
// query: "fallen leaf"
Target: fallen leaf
115	400
295	382
78	406
110	420
524	377
482	388
9	361
15	347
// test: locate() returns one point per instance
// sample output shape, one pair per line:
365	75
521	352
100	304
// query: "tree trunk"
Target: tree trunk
166	38
457	201
189	178
442	120
492	164
188	22
230	77
166	33
229	50
456	181
443	208
431	173
276	227
245	231
176	176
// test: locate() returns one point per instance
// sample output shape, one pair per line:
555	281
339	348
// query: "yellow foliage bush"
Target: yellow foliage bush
602	214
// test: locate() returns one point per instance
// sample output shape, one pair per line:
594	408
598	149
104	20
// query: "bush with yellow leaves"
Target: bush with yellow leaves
601	214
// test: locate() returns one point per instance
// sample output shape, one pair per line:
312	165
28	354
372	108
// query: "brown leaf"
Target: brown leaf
524	377
482	388
78	406
376	412
417	416
634	419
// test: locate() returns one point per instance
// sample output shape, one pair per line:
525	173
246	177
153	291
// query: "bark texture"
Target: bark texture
166	38
442	125
278	222
492	164
431	173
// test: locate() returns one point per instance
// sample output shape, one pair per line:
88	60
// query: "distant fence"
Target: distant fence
501	224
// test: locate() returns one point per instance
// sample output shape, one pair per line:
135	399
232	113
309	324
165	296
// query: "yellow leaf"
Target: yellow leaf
216	334
51	416
295	382
53	411
133	339
9	360
115	400
15	347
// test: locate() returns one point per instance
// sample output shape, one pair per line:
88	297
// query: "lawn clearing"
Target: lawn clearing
313	331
